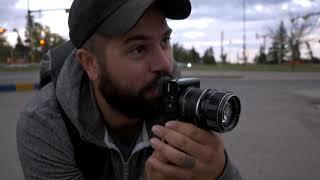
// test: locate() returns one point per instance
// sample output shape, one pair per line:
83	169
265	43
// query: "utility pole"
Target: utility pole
29	28
29	31
244	31
222	48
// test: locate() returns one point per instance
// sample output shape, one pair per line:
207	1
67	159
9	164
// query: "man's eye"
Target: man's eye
137	51
165	42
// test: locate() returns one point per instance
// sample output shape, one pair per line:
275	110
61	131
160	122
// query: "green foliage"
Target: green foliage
20	50
37	32
279	48
195	56
181	54
185	55
208	57
262	57
5	49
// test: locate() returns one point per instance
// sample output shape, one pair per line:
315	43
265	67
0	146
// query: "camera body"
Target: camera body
209	109
173	90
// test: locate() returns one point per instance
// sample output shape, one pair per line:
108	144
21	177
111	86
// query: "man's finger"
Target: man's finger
179	141
158	156
173	155
199	135
169	170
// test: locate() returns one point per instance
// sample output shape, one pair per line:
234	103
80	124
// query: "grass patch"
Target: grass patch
256	67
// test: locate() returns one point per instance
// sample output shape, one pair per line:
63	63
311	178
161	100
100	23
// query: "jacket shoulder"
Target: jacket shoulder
42	110
43	143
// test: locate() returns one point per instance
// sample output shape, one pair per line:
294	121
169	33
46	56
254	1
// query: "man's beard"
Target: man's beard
130	104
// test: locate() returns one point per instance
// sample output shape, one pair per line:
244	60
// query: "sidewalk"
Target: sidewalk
19	81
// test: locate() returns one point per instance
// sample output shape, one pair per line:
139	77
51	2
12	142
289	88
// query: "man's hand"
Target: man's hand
185	152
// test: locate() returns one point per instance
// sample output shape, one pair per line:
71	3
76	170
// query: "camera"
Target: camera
208	109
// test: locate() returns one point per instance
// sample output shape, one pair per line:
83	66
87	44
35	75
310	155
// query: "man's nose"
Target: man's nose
161	60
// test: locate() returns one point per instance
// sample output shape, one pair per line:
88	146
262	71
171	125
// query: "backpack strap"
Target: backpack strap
92	160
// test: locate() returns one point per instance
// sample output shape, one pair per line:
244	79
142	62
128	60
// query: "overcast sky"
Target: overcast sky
201	30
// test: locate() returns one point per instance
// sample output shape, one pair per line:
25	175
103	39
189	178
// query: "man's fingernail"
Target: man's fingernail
153	142
155	129
170	124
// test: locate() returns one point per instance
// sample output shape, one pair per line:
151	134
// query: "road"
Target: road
11	104
19	77
278	136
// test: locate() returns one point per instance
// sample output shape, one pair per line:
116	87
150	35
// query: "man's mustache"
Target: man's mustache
154	83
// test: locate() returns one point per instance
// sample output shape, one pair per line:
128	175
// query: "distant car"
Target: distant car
184	65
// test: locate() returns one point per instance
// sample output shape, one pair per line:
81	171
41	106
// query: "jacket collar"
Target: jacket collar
74	93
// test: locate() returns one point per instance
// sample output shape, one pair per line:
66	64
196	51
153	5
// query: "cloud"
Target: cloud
202	29
14	12
303	3
232	10
11	17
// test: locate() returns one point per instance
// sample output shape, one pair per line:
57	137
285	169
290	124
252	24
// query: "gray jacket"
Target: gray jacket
44	145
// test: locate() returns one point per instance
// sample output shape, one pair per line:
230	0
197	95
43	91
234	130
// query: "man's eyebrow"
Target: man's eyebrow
140	37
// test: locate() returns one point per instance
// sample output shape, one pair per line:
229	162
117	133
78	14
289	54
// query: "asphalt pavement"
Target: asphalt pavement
11	104
278	137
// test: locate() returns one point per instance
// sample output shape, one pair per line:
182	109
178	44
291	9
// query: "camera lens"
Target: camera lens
227	114
230	112
210	109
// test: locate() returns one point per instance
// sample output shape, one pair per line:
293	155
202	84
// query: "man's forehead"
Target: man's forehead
153	21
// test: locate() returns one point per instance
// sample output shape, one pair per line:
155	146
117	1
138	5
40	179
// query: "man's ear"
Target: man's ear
88	62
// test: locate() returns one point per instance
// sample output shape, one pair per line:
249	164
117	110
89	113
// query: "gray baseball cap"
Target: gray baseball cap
113	17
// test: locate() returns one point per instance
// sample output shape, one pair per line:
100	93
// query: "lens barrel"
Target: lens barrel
210	109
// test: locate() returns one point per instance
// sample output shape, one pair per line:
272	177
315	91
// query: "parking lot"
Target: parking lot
278	136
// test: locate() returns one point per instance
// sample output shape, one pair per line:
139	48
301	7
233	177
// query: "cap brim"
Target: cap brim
125	17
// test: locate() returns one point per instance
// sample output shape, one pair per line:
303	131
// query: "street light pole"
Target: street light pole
29	30
244	31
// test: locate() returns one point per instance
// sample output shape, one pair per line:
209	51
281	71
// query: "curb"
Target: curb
19	87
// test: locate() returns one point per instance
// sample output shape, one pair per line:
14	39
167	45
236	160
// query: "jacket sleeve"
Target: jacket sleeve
230	171
44	147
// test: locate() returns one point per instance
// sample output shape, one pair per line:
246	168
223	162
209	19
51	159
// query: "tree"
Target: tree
262	57
224	58
20	50
40	39
184	55
5	48
195	56
208	56
279	38
299	28
273	54
310	52
180	53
